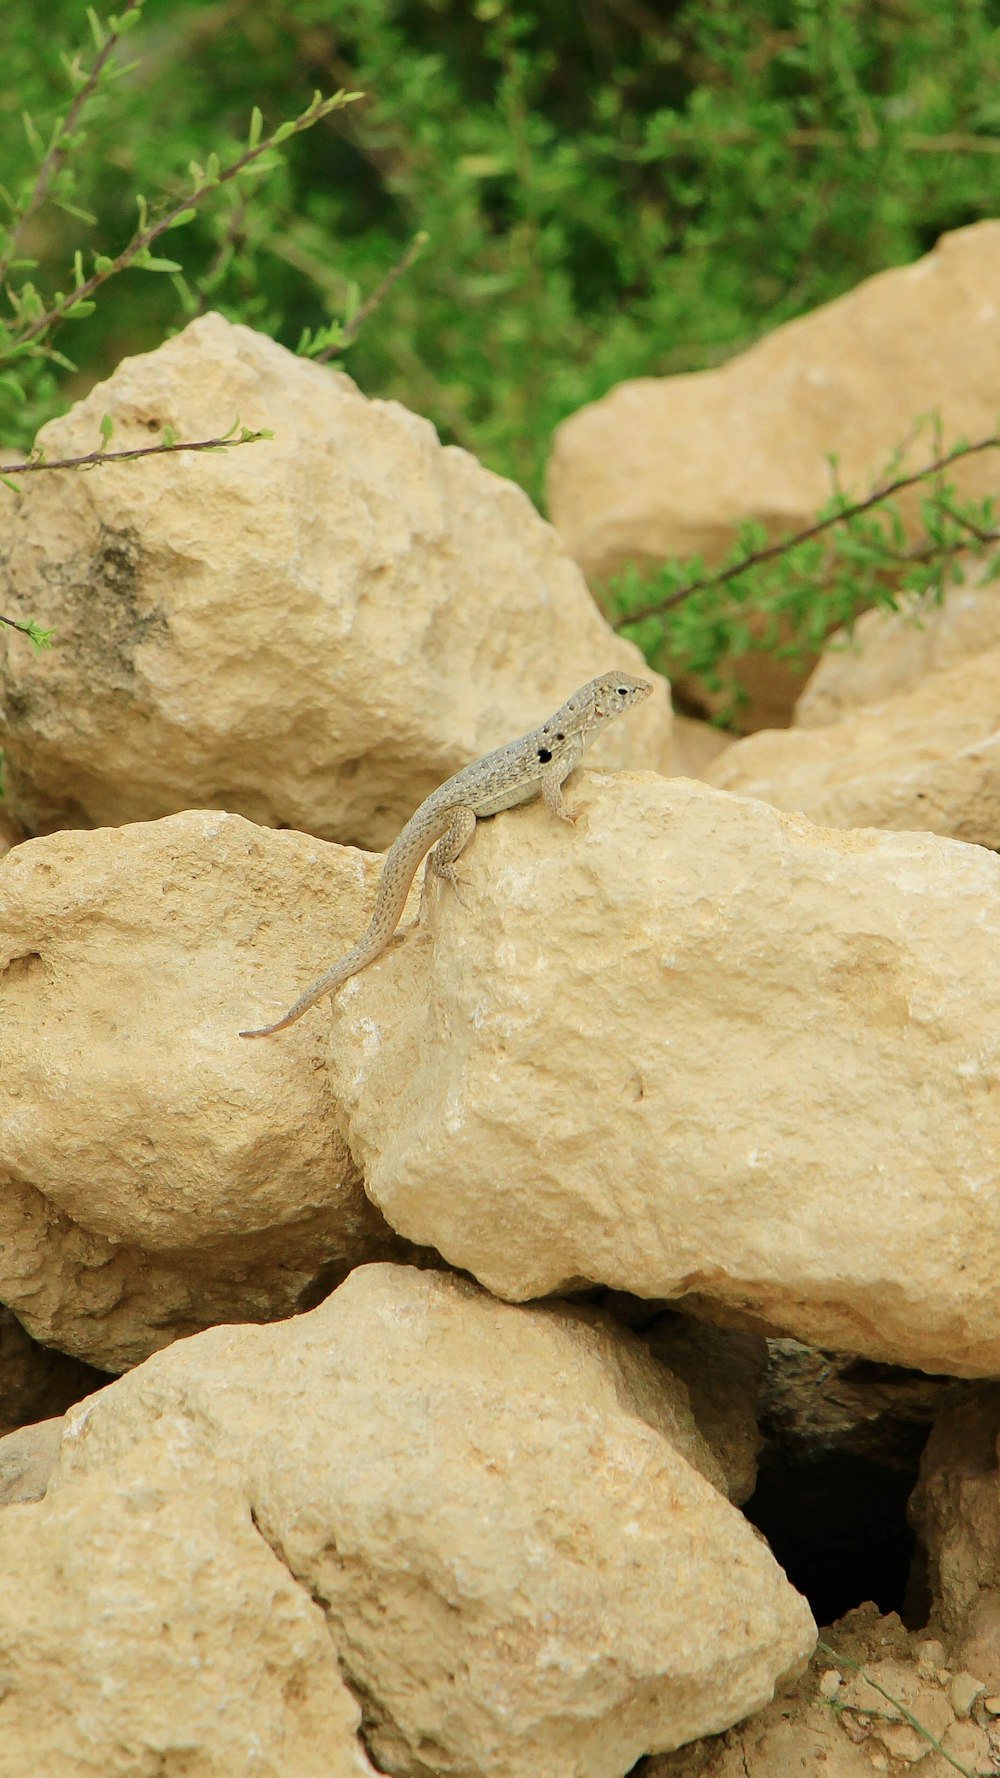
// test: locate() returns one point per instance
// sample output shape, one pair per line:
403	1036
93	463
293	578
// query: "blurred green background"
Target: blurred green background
611	189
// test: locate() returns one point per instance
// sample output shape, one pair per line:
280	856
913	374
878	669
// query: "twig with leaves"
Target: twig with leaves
63	139
169	444
33	319
784	596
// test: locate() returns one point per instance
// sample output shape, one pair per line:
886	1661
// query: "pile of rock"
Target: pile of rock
401	1514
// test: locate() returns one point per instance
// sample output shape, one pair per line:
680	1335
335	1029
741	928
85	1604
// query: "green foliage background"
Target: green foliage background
611	189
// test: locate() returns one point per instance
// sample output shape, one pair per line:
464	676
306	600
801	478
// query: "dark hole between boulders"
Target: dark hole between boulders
835	1515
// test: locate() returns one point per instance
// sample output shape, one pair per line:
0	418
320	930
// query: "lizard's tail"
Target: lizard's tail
328	983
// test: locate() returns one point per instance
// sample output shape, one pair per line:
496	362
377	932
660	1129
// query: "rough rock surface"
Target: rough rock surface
153	1179
313	632
671	466
36	1384
723	1369
147	1628
503	1512
892	651
832	1723
655	1057
925	760
27	1459
665	466
821	1402
956	1511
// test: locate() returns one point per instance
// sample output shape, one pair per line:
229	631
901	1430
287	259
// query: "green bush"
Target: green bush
609	191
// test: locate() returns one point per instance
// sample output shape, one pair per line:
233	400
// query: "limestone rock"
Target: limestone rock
657	1056
27	1459
313	632
723	1369
146	1627
10	833
154	1179
35	1383
671	466
956	1507
695	746
504	1514
892	651
925	760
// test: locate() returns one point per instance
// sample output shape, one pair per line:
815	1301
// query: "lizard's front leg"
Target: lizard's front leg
553	779
459	831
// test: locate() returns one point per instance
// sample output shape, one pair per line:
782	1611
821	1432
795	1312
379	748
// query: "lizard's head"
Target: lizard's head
612	693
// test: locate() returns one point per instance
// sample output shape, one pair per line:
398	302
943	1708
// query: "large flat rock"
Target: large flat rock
704	1049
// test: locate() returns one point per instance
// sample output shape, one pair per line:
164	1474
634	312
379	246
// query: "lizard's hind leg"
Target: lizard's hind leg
459	831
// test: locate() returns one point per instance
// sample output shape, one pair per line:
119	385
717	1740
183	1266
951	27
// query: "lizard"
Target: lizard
538	763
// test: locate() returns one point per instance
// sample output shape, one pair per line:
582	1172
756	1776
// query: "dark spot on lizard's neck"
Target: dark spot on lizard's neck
544	755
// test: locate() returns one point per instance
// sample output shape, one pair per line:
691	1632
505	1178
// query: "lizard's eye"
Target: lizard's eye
623	691
544	755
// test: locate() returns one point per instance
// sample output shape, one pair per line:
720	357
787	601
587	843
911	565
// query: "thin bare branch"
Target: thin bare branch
771	550
94	458
140	242
352	327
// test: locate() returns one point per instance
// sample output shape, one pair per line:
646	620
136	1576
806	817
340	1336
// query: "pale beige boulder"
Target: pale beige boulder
27	1459
723	1369
696	745
956	1509
154	1180
833	1722
700	1047
313	631
10	833
146	1627
926	760
893	651
505	1514
671	466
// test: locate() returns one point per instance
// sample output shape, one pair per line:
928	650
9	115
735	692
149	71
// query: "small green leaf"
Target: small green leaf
182	217
107	428
76	311
8	482
125	21
168	437
97	30
34	139
147	263
282	133
256	127
69	209
103	264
